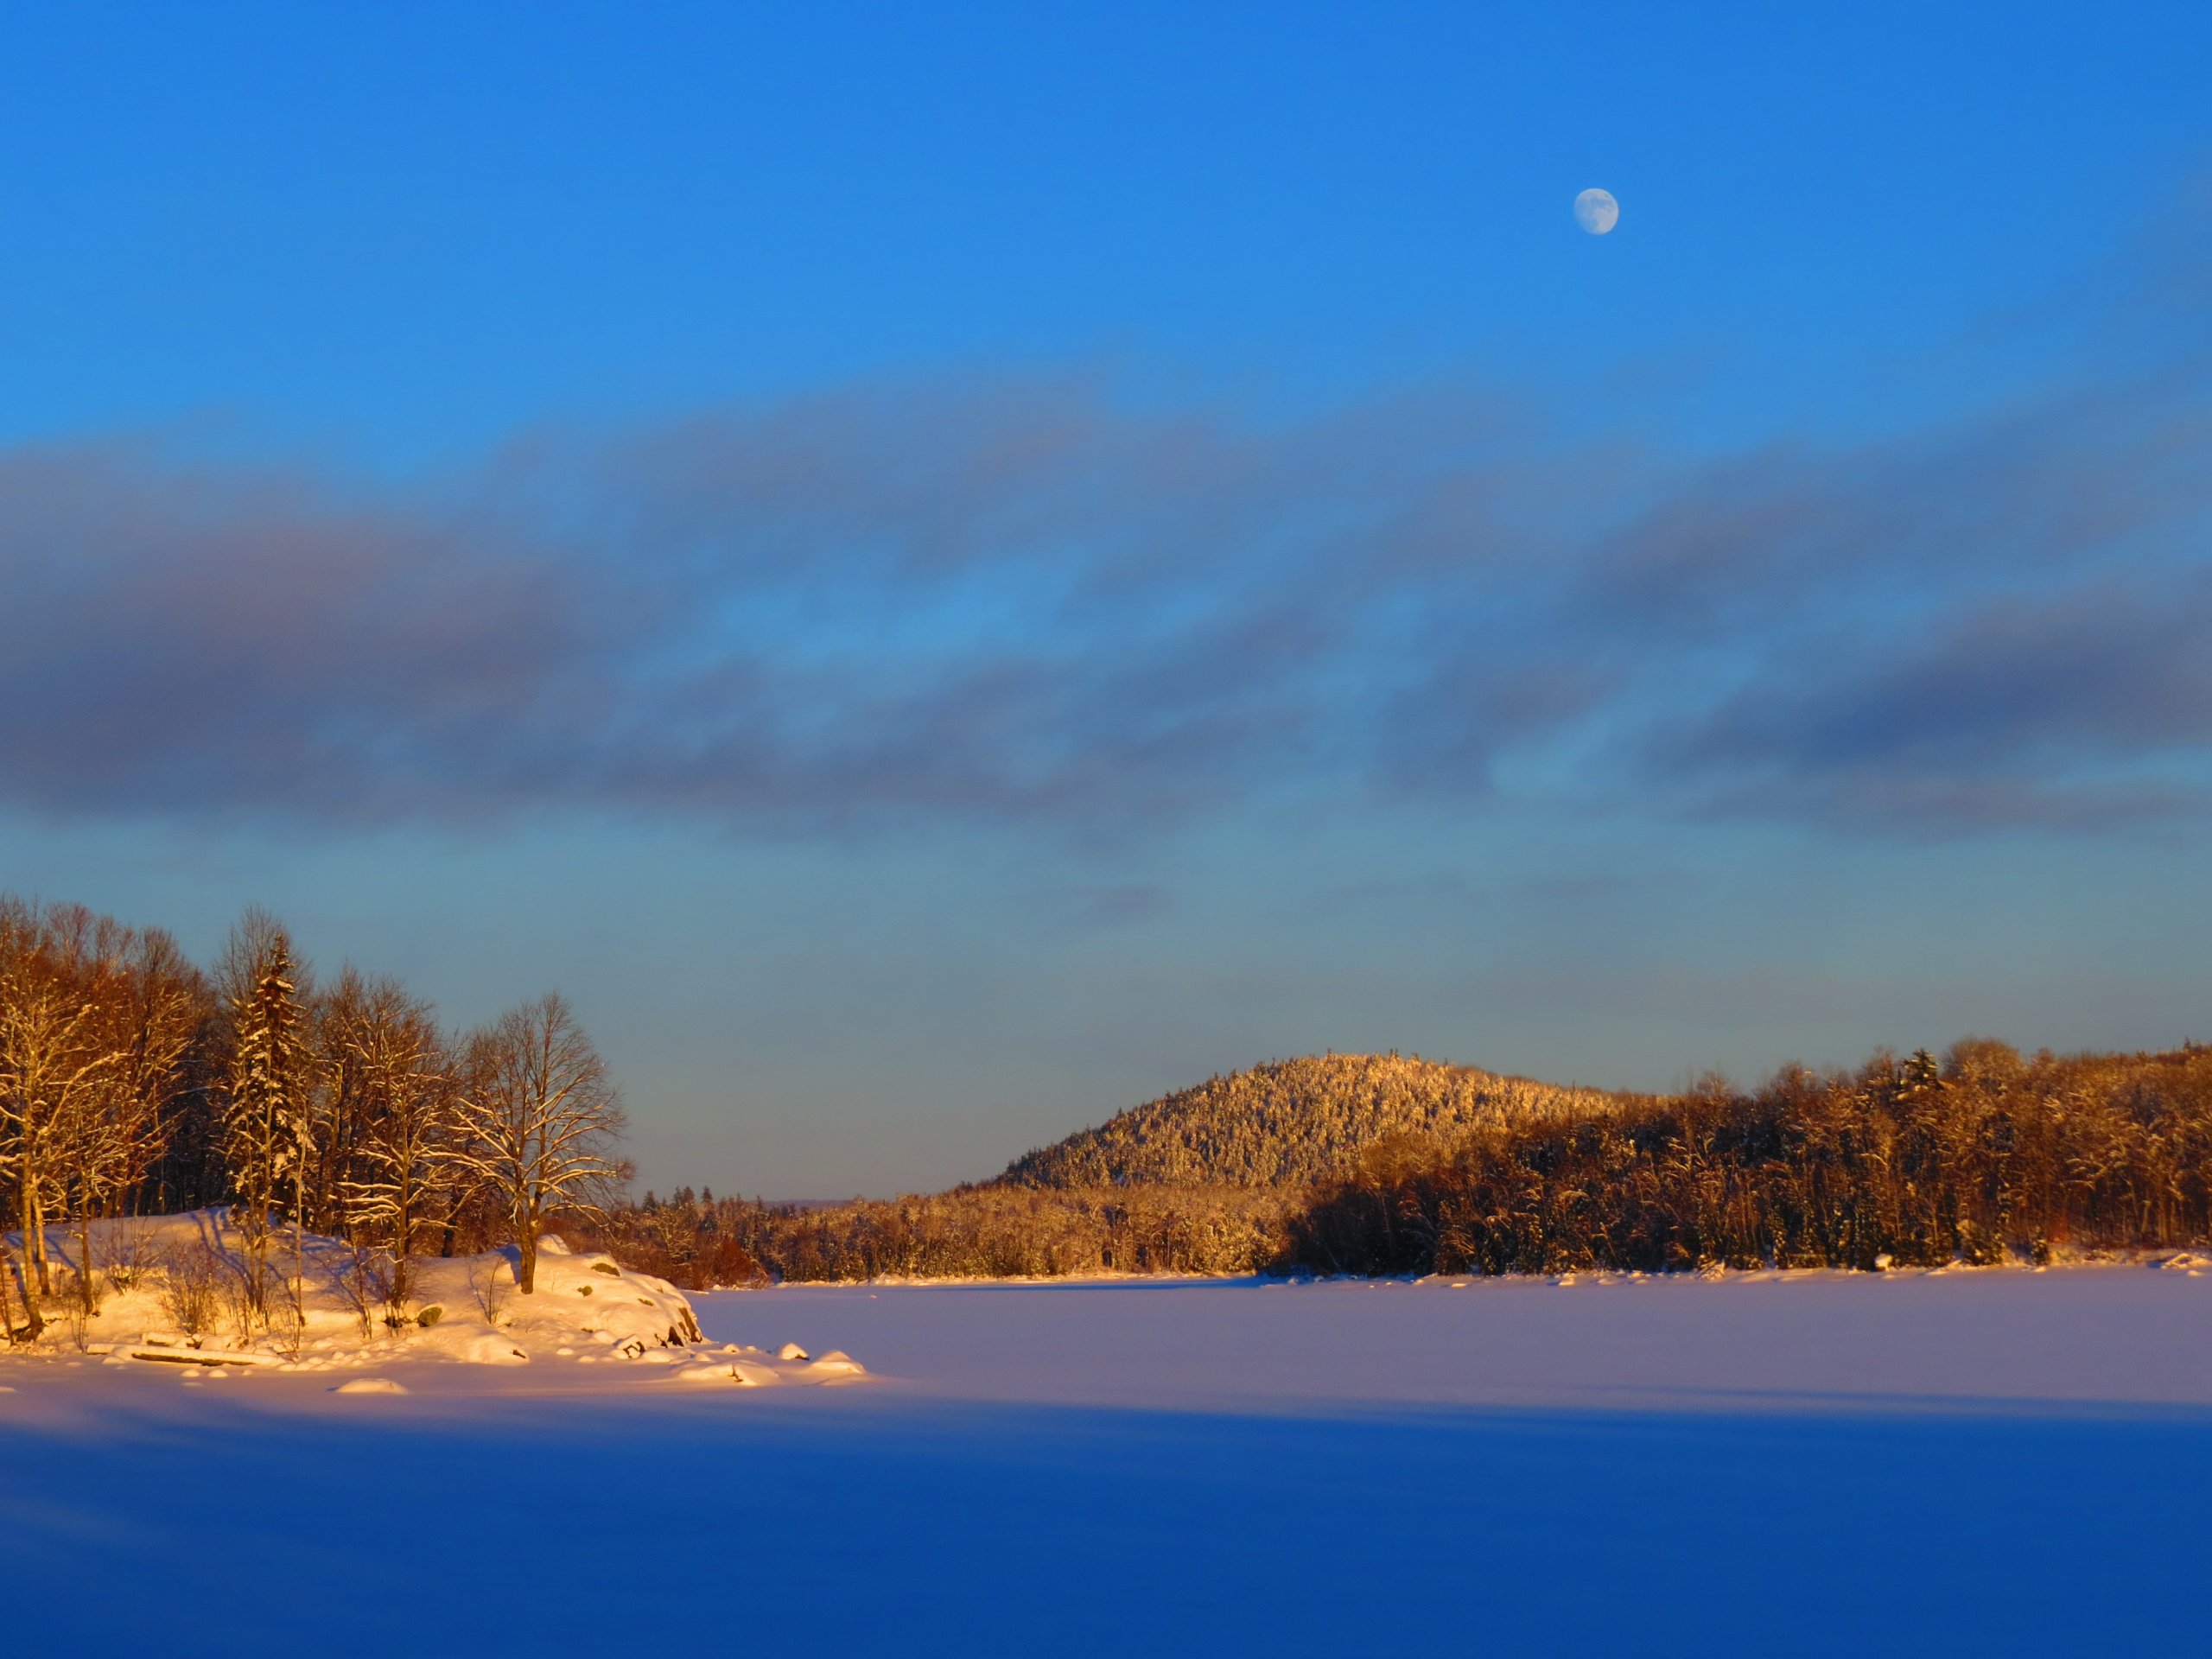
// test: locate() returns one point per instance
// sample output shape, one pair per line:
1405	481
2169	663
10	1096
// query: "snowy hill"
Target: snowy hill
170	1292
1290	1122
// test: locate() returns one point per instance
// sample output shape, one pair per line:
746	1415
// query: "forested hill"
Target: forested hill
1288	1122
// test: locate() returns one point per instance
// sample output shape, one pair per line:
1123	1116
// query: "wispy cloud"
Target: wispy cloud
1031	603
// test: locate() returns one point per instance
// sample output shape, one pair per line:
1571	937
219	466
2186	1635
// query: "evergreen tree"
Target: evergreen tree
268	1132
1920	1074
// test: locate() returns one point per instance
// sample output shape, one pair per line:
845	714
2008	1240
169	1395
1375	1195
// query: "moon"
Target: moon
1596	210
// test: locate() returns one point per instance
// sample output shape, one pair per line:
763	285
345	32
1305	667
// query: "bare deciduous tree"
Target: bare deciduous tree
540	1119
151	1003
52	1060
404	1125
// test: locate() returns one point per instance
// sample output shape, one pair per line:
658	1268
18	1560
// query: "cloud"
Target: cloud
1033	604
2068	710
1016	603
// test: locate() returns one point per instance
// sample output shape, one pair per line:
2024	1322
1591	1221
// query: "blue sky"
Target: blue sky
943	573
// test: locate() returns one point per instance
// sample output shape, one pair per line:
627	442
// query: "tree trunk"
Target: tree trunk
299	1276
33	1324
35	1240
402	1243
85	1260
526	1244
397	1298
299	1254
257	1256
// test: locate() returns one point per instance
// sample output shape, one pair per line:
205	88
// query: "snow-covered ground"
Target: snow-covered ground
2100	1339
1999	1461
172	1305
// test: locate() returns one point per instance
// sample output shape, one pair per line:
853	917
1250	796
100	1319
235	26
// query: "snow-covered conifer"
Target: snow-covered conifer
268	1127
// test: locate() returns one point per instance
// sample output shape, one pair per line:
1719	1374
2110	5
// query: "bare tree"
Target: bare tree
151	1003
53	1059
541	1121
405	1119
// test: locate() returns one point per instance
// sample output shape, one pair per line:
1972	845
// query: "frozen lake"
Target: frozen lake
2090	1338
1978	1462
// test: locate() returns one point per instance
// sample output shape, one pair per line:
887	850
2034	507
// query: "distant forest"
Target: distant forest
1394	1164
133	1081
1204	1180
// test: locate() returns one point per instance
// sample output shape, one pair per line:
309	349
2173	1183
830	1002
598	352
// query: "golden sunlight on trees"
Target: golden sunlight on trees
130	1083
540	1122
1404	1166
1984	1158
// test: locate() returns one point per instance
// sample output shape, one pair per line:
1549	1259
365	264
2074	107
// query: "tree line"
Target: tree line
994	1230
133	1081
1982	1157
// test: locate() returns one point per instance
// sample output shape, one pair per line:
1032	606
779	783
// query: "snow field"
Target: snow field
1990	1461
2099	1337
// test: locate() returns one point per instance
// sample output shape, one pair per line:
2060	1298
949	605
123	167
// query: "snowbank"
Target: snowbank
171	1298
